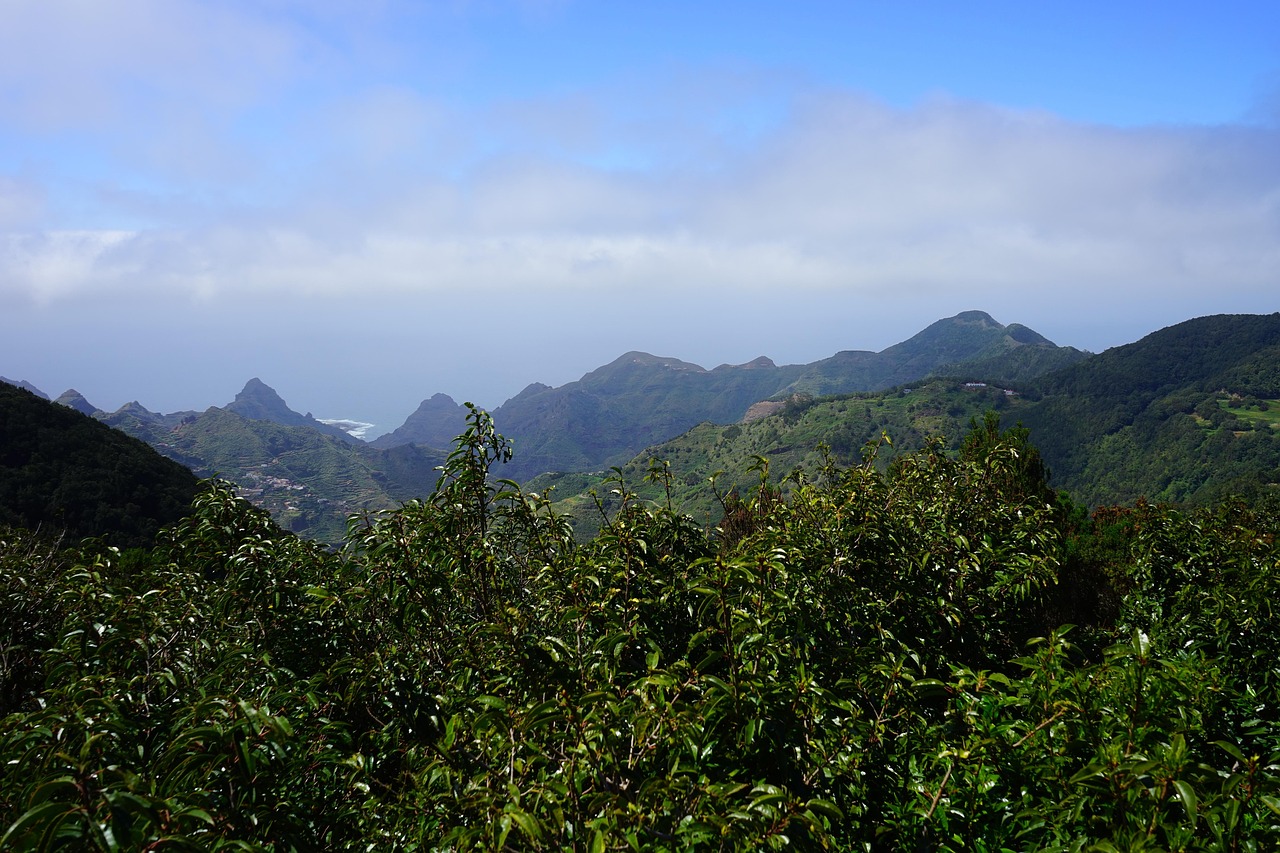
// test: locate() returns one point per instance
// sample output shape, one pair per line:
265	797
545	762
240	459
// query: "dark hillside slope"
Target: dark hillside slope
437	421
1189	353
64	472
789	439
25	385
1188	413
612	412
946	347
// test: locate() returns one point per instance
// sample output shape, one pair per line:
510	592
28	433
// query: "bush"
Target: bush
870	664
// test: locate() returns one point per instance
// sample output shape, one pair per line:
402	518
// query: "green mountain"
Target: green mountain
946	347
260	402
73	399
435	423
63	472
790	438
615	411
1188	414
310	480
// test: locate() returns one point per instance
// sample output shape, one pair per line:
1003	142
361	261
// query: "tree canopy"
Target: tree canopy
936	656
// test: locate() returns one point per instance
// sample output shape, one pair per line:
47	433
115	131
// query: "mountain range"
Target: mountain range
615	411
311	476
1182	415
1187	415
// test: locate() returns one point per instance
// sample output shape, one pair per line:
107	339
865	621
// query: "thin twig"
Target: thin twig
938	796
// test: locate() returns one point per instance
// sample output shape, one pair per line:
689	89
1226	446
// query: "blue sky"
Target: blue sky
365	203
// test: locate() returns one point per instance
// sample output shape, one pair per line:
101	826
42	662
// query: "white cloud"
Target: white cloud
688	183
45	267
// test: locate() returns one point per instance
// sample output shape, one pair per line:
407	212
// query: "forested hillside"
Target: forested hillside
309	480
711	461
1189	415
884	660
66	474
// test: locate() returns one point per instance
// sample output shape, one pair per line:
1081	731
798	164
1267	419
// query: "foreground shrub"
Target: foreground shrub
866	665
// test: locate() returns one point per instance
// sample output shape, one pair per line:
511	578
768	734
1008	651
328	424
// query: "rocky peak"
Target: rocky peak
73	399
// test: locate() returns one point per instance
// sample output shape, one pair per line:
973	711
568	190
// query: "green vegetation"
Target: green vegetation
881	660
67	474
1145	419
710	461
614	412
1253	411
309	481
1186	415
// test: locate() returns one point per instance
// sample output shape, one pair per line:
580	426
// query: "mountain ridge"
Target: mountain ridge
615	410
1187	414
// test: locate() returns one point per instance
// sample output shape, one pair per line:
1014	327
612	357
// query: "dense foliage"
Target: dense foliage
66	473
1167	417
877	662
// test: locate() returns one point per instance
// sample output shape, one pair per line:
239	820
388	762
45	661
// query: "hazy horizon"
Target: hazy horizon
371	430
367	204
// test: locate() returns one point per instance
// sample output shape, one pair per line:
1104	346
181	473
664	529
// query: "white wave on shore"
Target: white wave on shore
356	429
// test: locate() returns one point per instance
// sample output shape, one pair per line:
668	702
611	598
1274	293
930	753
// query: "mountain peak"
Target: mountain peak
1024	335
435	423
646	359
136	410
73	399
760	363
976	317
255	387
260	402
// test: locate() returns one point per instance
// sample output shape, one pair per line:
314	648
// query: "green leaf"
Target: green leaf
43	819
1089	771
1232	750
826	809
527	823
1189	802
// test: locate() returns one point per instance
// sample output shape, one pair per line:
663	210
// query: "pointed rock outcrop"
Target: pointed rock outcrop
436	423
258	401
73	399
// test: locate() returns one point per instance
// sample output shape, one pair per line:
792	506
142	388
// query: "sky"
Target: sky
366	202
